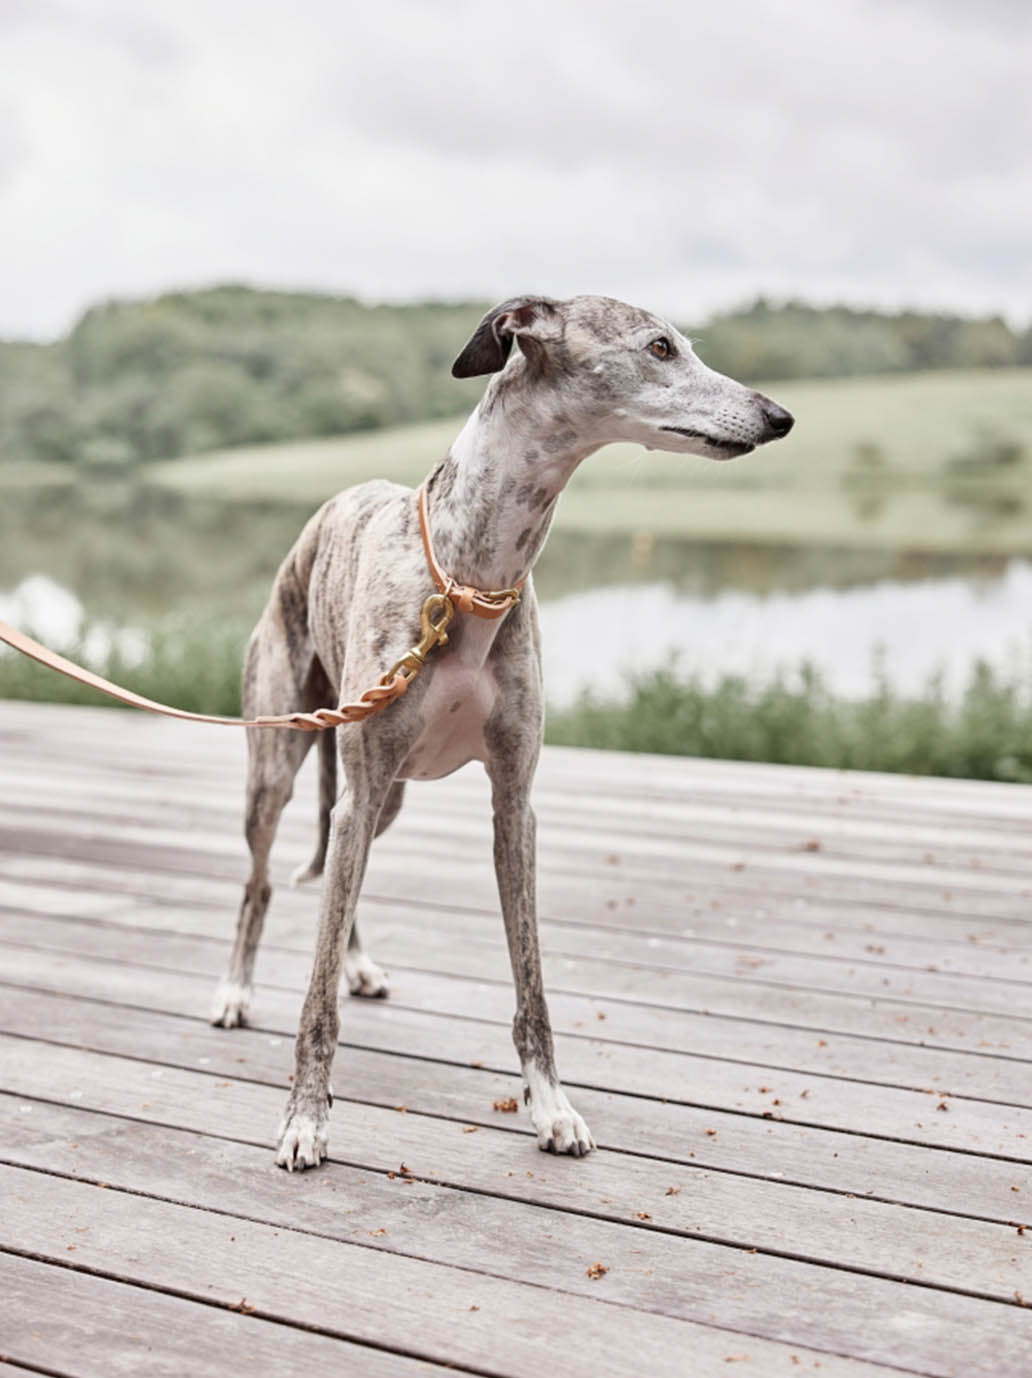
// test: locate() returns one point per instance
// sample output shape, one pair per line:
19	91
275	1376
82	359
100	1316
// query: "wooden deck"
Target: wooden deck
793	1005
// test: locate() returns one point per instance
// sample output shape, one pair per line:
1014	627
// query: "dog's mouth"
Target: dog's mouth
728	449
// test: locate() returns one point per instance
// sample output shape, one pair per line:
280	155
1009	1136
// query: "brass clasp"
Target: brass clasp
434	619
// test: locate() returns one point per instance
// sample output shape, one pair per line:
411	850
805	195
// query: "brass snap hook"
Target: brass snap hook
434	618
434	628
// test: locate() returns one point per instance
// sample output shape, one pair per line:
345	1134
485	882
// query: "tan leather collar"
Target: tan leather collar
480	602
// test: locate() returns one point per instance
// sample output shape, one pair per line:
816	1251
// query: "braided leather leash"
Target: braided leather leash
435	617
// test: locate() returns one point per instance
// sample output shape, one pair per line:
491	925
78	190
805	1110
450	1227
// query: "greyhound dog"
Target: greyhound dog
346	603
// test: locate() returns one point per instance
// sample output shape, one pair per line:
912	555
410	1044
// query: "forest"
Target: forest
186	372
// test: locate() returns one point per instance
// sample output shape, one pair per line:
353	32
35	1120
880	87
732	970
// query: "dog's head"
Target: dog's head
625	374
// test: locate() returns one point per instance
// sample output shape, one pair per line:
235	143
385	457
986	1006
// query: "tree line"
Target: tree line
136	381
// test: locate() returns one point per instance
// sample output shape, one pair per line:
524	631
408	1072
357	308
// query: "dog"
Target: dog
346	603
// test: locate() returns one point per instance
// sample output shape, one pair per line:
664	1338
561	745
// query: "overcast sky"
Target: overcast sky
682	155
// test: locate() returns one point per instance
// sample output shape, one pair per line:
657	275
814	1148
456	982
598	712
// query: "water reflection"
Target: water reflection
573	561
611	604
595	639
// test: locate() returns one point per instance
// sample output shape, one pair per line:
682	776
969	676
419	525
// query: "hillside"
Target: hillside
188	372
927	461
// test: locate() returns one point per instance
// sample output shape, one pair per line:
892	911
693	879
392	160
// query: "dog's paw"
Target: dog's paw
304	875
365	977
231	1004
303	1139
559	1128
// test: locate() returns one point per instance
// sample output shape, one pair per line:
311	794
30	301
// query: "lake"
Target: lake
121	559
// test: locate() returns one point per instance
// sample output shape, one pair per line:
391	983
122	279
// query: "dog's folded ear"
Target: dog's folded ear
525	318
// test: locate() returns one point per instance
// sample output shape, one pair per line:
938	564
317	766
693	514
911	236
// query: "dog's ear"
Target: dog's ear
526	318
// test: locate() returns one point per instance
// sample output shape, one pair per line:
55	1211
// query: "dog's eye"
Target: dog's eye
661	348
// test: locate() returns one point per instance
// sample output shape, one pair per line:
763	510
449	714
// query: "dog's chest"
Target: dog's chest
457	704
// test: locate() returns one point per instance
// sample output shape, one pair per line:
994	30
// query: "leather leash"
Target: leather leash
435	616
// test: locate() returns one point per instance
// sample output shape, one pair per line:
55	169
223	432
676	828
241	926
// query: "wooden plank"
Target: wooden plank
51	729
627	827
97	1328
785	877
580	851
453	946
994	905
906	1066
353	1291
700	909
186	752
666	1019
291	918
672	1026
738	1088
952	943
713	879
674	1136
572	823
290	924
61	1321
919	1327
631	1194
690	776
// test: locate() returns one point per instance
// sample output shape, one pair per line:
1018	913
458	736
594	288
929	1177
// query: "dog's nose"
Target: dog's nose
779	420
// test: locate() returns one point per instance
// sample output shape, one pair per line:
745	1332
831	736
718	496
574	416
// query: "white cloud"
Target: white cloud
682	156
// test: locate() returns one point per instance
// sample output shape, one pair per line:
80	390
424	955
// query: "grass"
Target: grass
187	663
986	735
22	475
868	465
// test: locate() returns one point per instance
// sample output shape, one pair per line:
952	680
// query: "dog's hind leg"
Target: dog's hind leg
274	761
363	975
327	799
271	684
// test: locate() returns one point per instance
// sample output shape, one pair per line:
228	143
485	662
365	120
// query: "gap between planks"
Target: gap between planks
682	1046
877	1015
510	1330
829	1156
789	1271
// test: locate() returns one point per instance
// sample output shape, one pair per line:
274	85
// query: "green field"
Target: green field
892	461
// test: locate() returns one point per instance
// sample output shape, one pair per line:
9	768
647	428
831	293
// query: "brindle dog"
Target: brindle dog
346	603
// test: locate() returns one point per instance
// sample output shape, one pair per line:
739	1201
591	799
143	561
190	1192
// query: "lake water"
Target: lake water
596	638
119	558
913	629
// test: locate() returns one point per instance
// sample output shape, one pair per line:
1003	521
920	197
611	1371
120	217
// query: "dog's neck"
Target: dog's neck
492	498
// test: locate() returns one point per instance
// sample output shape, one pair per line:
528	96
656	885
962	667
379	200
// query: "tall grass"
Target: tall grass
189	664
984	734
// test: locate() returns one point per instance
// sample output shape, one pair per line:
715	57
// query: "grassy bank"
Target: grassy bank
986	735
188	664
910	425
936	461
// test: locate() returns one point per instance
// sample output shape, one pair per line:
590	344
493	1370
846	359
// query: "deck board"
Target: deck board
809	1069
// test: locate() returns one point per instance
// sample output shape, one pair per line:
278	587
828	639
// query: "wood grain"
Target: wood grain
793	1004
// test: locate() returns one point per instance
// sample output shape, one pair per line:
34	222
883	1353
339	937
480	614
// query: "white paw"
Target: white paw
303	1140
231	1004
304	874
365	977
559	1128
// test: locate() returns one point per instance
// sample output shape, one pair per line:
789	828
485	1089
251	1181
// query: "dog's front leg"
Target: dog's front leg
303	1134
559	1128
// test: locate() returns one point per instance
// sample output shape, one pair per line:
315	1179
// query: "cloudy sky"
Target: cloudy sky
683	155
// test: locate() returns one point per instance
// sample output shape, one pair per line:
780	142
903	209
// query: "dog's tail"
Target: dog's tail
327	743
